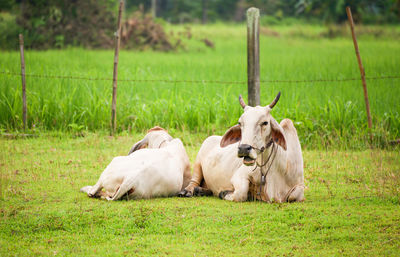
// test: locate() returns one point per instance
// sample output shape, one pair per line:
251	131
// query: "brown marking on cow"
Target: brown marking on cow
143	146
288	167
256	193
196	181
157	128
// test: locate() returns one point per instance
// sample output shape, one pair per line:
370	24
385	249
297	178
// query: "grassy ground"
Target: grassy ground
326	113
352	207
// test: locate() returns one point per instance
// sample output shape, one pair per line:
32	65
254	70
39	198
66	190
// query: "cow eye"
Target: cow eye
265	123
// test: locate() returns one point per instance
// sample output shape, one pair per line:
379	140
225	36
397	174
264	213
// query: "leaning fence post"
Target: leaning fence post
364	83
115	73
253	56
21	49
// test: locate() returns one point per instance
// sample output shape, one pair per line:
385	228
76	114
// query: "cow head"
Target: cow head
154	138
256	130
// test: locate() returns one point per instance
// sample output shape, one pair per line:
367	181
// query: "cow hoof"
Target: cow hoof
93	195
197	191
200	191
185	193
222	194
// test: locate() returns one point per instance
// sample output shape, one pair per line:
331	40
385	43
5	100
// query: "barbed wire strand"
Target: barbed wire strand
195	81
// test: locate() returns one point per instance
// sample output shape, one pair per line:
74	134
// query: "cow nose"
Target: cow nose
244	150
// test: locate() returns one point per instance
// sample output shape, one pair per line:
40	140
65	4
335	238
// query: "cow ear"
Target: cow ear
233	135
139	145
278	134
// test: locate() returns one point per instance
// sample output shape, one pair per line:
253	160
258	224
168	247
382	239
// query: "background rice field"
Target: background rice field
325	113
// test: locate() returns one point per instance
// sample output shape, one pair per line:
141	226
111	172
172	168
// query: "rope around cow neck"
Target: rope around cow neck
263	164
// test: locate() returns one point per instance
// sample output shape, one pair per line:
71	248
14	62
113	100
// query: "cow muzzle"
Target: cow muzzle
244	151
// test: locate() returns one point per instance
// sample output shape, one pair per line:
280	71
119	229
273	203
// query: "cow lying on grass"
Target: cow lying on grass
160	168
272	165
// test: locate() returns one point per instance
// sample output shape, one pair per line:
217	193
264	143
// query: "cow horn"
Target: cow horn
271	105
242	102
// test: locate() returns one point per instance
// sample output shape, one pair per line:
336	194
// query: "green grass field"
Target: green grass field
327	114
351	208
352	204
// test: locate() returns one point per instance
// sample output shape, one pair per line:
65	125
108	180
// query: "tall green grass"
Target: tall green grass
325	113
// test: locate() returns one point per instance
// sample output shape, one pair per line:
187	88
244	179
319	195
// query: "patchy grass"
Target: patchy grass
352	207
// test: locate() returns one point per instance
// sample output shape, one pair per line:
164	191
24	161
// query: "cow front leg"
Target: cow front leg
240	183
93	191
196	180
297	194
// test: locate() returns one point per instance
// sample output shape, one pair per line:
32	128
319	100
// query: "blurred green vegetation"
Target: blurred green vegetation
92	23
366	11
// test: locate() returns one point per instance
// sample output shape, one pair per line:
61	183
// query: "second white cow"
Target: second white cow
156	166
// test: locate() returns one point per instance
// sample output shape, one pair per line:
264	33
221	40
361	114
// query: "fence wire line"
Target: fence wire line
195	81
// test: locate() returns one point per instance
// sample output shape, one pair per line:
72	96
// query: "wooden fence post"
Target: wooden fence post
115	73
154	8
21	49
364	83
253	56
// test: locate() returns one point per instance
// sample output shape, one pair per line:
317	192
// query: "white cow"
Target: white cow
160	168
272	164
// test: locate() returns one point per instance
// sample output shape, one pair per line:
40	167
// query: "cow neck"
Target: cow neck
264	169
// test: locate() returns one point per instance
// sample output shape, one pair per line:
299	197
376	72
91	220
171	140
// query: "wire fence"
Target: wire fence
195	81
253	70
